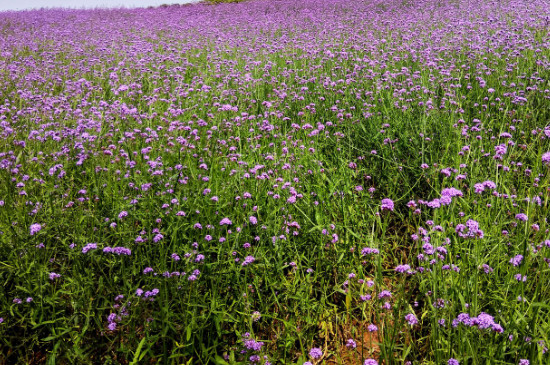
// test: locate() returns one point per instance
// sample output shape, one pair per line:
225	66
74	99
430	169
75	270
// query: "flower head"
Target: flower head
315	353
225	221
521	217
387	204
35	228
411	319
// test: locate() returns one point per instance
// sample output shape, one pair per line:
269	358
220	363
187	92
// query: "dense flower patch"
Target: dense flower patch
276	182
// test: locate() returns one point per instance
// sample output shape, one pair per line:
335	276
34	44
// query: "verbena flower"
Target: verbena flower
225	221
35	228
411	319
516	260
521	217
315	353
387	204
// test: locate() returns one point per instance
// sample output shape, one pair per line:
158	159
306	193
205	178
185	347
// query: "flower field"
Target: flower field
276	182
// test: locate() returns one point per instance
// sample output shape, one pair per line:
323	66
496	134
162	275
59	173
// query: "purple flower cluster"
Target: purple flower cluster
88	247
315	353
469	230
480	187
35	228
369	251
482	321
403	268
387	204
411	319
516	260
253	345
248	260
225	222
117	250
147	294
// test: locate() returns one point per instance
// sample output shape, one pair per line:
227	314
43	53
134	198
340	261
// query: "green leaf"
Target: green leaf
538	304
188	334
138	352
219	360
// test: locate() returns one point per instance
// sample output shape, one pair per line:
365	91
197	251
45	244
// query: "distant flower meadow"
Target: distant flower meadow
276	182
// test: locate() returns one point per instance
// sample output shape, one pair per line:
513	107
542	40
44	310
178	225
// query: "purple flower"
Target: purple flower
546	158
387	204
35	228
402	268
256	316
118	250
253	220
521	217
469	230
451	192
88	247
364	298
225	221
369	251
253	345
452	361
384	294
516	260
483	320
523	362
501	149
462	318
411	319
315	353
54	276
370	362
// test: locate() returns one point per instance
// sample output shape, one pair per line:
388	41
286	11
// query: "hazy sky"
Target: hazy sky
31	4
